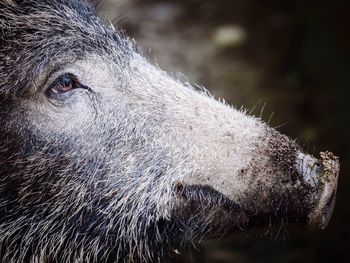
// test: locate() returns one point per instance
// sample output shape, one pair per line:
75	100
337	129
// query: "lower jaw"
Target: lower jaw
210	219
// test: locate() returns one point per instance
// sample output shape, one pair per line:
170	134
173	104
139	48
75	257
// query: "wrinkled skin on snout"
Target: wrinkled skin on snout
104	157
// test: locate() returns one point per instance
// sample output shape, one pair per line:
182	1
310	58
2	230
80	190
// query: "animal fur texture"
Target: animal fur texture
129	162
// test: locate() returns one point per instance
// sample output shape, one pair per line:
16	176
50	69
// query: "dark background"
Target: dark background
287	61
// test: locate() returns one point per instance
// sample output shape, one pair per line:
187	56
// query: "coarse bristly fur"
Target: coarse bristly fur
130	162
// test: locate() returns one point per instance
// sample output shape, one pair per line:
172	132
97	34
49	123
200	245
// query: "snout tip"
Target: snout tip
327	172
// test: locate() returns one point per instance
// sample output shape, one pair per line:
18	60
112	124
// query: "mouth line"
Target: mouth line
231	216
199	197
208	197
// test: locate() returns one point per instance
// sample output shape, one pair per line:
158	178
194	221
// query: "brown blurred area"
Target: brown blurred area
289	62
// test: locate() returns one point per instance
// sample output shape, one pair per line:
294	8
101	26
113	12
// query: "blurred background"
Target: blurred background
286	61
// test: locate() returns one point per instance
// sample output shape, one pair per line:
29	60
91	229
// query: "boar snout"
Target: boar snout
322	176
267	177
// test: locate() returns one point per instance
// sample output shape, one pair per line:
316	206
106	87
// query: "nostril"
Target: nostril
327	176
310	169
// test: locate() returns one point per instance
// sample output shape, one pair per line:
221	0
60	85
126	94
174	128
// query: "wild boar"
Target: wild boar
106	158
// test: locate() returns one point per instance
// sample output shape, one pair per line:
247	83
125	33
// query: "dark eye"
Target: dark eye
63	85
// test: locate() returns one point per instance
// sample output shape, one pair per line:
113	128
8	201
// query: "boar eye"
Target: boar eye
63	85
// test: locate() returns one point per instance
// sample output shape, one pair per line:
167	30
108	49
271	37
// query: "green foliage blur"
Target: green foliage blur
286	61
